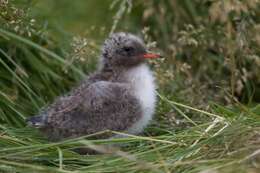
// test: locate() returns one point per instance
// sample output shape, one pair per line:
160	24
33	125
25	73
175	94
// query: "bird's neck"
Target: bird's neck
138	74
126	74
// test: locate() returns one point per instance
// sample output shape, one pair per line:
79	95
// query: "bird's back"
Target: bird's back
94	106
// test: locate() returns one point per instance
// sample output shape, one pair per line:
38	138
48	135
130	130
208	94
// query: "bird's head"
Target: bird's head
124	50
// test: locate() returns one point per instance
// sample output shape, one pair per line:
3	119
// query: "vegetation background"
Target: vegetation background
208	111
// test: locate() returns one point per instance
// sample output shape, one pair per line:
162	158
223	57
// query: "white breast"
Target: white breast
142	81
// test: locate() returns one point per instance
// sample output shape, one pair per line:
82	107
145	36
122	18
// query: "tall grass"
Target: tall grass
197	127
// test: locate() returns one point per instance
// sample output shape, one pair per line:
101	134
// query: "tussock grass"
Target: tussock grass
192	132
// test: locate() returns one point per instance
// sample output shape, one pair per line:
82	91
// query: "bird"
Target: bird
119	96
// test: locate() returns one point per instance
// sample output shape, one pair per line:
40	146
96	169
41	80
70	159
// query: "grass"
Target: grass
197	127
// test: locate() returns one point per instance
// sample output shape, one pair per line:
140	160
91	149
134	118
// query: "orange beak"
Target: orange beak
151	55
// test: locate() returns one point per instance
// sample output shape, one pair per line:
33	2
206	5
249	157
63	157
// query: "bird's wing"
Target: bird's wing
101	106
61	106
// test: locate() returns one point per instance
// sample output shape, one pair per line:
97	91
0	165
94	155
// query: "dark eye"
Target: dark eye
128	49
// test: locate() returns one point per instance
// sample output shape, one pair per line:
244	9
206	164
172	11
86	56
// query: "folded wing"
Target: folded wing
101	106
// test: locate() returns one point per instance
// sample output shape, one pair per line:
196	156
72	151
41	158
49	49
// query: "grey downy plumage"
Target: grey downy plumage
120	96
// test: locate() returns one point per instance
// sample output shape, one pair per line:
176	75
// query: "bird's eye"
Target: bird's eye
128	49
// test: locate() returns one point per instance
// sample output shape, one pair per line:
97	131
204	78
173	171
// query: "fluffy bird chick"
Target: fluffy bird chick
120	96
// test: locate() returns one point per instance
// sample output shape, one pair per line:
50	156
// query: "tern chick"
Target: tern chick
119	96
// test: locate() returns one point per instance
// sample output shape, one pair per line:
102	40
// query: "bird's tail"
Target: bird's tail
36	121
